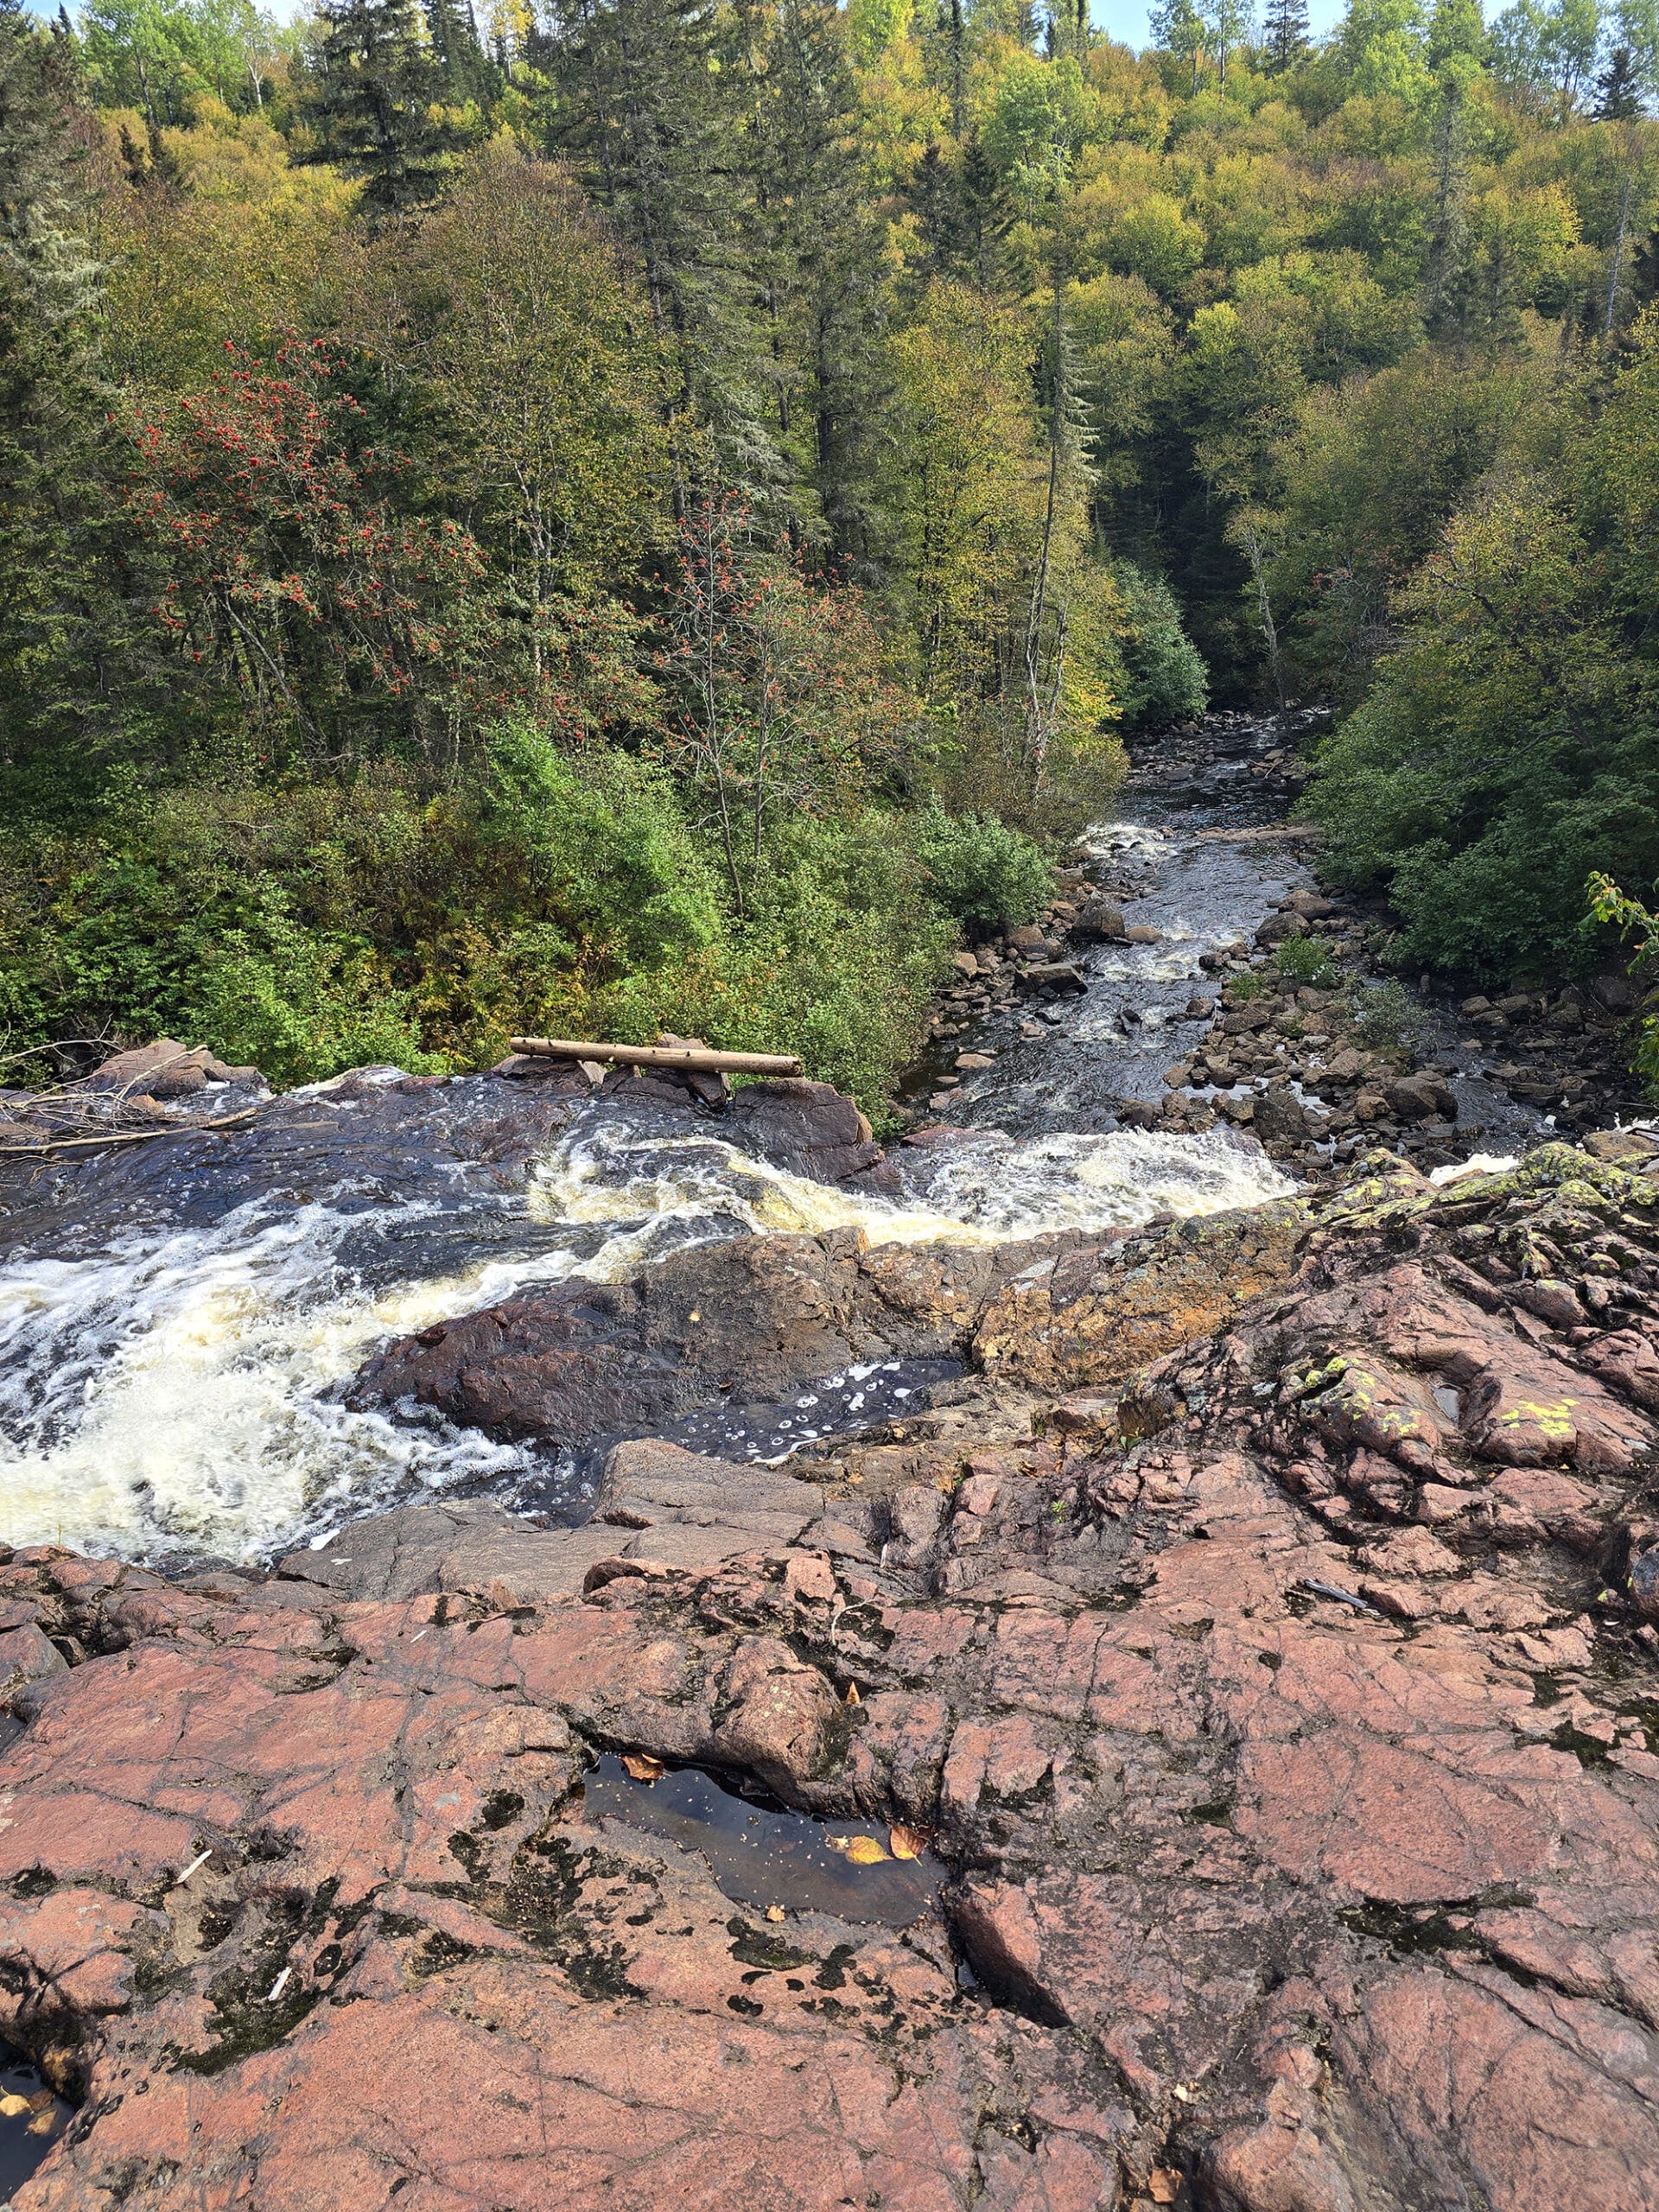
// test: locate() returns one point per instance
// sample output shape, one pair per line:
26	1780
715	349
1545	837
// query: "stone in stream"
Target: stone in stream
1279	1117
1420	1097
1277	1731
1278	927
1098	921
1053	975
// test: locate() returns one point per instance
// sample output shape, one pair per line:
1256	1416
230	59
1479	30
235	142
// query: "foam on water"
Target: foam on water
174	1392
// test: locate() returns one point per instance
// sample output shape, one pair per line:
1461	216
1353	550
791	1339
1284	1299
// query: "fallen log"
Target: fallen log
695	1059
130	1136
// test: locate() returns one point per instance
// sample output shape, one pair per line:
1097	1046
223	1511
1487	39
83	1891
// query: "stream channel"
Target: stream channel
178	1321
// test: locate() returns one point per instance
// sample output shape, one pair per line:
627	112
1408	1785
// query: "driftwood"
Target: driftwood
129	1136
694	1059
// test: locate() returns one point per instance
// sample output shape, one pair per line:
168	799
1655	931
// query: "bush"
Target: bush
303	1006
1386	1018
982	873
315	927
1168	679
1306	960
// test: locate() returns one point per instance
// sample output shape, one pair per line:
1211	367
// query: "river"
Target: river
177	1322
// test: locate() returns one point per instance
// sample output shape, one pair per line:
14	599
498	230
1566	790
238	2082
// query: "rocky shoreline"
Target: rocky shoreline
1311	1046
1255	1659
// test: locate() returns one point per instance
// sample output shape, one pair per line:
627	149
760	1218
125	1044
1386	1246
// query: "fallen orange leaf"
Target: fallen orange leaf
863	1850
643	1767
1166	2184
908	1843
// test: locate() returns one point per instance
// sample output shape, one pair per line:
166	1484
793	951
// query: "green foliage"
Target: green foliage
985	874
1385	1018
1166	678
1613	908
1306	960
1508	748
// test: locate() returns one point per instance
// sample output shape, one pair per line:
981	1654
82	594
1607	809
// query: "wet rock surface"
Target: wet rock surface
748	1321
1282	1713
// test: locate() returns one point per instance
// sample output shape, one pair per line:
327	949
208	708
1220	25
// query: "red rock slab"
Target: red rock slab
1366	1769
1147	1979
491	2091
1482	2105
75	1832
73	1947
131	1756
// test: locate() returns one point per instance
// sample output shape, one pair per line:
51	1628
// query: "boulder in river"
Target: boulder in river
1279	1118
1098	921
1278	927
1420	1097
1053	975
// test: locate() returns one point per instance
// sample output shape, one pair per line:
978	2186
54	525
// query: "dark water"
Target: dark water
28	2134
761	1854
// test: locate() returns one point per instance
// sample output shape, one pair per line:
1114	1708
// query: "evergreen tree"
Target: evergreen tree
1618	95
648	116
372	102
466	75
964	214
1284	35
52	407
816	252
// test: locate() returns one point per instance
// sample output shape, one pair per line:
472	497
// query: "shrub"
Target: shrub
1385	1016
982	873
1306	960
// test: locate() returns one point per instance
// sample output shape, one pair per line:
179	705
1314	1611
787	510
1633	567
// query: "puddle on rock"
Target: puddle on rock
31	2118
761	1854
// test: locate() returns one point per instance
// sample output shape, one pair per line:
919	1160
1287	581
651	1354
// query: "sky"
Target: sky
1127	19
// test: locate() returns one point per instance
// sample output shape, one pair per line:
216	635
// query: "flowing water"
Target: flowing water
177	1321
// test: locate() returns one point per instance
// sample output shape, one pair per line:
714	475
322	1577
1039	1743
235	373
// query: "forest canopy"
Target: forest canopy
625	515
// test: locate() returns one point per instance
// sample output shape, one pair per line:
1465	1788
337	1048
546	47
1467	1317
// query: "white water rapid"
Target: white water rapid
176	1390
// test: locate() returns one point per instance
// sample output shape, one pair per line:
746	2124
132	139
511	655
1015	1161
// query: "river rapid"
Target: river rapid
178	1321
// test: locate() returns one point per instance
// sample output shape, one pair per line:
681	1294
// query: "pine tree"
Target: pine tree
1284	35
52	406
814	246
372	100
648	117
1618	95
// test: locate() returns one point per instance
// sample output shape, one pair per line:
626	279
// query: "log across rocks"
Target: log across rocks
1280	1723
697	1059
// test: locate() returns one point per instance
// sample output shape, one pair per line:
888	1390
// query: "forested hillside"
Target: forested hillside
641	514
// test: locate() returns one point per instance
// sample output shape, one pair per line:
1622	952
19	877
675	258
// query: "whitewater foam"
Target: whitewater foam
179	1392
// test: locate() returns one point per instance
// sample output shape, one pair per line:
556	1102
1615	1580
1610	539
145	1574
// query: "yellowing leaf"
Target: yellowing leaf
13	2107
643	1767
908	1843
1166	2184
774	1912
863	1850
853	1697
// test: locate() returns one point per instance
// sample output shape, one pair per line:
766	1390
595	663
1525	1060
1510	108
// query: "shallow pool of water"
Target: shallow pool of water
762	1854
